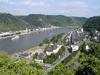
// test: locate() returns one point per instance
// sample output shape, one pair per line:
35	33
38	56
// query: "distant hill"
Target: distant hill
10	22
92	23
38	20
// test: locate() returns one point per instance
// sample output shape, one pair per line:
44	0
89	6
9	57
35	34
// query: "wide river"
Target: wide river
29	40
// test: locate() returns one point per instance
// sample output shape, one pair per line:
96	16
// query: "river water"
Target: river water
29	40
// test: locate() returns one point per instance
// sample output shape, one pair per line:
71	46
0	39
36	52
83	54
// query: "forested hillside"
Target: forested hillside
9	22
92	24
39	20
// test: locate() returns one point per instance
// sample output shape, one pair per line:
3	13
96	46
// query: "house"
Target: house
70	49
75	35
89	50
73	48
95	38
49	50
67	36
57	49
87	47
39	57
53	49
25	55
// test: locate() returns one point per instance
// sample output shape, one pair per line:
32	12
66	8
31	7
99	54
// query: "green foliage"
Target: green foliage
57	38
50	59
39	20
90	65
69	58
85	71
9	22
62	70
46	41
10	66
61	51
54	39
96	48
82	48
41	44
92	24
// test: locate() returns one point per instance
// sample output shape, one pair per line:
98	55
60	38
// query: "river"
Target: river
29	40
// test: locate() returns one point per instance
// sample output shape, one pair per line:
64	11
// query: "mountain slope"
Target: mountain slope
38	20
10	22
92	23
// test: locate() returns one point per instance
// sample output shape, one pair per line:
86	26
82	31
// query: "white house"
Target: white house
87	47
38	60
95	38
56	50
74	47
53	50
37	29
96	31
49	53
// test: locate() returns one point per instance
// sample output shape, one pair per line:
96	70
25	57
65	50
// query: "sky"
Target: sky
81	8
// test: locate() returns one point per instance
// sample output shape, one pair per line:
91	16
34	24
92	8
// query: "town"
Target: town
54	51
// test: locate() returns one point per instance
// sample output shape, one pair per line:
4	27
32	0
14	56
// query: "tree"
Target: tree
85	71
46	41
63	70
9	66
90	65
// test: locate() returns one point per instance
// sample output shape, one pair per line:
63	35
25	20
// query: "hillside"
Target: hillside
92	23
10	22
38	20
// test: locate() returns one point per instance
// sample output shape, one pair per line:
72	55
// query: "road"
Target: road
74	58
59	60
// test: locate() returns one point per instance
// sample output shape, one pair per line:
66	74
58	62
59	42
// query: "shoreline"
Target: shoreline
41	29
28	32
36	49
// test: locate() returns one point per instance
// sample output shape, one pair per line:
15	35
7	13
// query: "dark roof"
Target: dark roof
24	54
70	49
40	56
49	49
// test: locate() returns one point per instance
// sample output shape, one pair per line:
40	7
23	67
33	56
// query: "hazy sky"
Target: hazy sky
85	8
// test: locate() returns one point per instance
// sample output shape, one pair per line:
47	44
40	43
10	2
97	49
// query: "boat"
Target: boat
15	37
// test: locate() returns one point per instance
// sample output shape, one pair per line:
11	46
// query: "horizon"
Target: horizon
43	14
74	8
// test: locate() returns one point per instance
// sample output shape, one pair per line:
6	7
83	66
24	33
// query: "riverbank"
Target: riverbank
11	34
28	41
28	54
